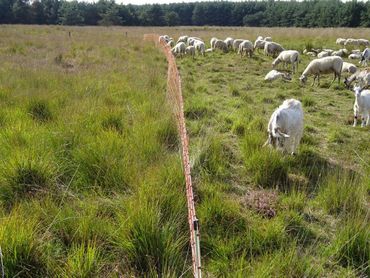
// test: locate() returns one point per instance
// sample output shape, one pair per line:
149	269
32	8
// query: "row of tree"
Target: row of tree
313	13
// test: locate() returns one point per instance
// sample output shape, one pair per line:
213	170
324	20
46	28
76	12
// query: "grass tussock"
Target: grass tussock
216	158
82	261
351	247
25	178
39	110
344	193
21	253
150	244
113	123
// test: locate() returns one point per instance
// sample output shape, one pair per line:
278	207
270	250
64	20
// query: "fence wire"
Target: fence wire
174	94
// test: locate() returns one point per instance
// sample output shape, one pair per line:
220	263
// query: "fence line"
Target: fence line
174	94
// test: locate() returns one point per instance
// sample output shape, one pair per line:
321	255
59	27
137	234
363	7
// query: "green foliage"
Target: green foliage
338	136
220	216
234	106
111	17
70	13
308	101
172	18
251	13
286	262
297	228
266	166
108	192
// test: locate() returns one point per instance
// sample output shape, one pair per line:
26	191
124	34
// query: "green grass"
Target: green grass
91	181
321	189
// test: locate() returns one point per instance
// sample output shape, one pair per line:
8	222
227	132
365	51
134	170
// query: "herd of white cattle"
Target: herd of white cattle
285	128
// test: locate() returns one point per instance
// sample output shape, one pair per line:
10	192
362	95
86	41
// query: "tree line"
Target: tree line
309	13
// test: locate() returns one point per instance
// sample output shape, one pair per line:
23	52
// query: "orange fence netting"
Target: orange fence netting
175	97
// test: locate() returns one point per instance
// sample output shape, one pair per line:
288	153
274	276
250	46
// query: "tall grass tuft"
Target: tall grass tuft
298	229
286	262
26	177
19	244
151	244
83	261
216	158
168	135
312	165
103	163
343	192
351	246
220	216
39	110
268	168
113	122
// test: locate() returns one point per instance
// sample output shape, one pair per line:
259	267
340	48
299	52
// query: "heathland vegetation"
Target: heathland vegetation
311	13
91	182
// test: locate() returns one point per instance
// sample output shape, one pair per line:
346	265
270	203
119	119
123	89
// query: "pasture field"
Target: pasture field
264	214
91	180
